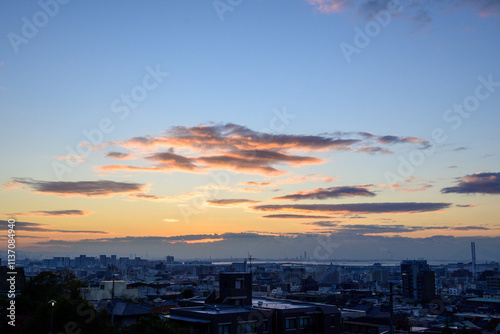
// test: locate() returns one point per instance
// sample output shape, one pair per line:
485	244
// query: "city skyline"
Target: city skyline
347	129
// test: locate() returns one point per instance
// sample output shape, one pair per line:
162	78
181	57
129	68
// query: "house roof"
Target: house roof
130	309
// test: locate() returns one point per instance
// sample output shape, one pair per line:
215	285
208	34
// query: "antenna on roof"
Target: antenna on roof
250	260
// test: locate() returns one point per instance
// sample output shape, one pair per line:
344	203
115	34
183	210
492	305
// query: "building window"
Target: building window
101	287
265	326
290	323
248	327
224	329
304	322
238	284
332	319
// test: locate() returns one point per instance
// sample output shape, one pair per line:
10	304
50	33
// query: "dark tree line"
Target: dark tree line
72	314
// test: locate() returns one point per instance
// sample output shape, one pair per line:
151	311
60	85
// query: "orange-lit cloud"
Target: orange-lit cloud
328	6
289	216
53	213
238	148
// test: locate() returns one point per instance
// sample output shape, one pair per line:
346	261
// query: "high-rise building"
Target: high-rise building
419	283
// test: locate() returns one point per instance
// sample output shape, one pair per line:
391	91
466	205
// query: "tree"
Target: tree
153	324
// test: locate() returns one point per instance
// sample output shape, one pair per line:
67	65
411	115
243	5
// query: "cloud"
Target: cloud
257	161
118	155
409	207
171	160
421	187
305	178
478	183
54	213
234	147
370	7
470	228
170	220
114	168
147	196
321	246
380	229
366	229
400	140
287	216
227	137
465	205
324	223
36	227
229	202
484	8
328	6
332	192
79	188
373	150
421	12
258	184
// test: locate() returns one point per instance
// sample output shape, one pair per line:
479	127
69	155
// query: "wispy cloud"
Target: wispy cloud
118	155
258	184
324	223
465	205
328	6
36	227
470	228
53	213
373	150
230	202
419	11
78	188
332	192
288	216
148	197
409	207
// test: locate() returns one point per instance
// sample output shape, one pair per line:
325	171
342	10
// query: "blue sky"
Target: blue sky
246	66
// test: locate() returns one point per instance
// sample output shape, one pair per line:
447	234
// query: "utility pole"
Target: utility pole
391	306
52	303
250	260
113	295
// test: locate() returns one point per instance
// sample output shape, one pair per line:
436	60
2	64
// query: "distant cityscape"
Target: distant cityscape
412	296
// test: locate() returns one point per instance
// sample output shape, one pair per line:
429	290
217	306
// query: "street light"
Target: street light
52	303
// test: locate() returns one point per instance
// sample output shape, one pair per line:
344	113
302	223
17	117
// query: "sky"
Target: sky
344	129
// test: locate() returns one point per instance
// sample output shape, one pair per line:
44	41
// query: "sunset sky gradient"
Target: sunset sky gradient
347	129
